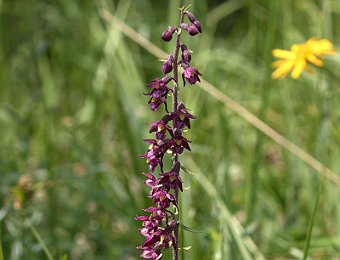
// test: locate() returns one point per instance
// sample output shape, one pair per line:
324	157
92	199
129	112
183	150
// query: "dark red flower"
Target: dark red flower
172	180
191	75
159	92
155	153
161	127
157	98
182	116
148	252
151	180
179	142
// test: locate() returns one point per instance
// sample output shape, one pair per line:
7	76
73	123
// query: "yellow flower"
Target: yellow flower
299	57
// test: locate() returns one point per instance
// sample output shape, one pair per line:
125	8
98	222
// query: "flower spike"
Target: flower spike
160	225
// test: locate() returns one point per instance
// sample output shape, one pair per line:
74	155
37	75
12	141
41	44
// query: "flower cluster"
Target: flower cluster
159	92
297	59
160	227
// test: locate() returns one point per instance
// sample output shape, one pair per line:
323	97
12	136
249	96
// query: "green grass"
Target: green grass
1	253
73	116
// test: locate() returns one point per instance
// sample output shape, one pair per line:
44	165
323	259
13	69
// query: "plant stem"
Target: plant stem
41	241
1	253
311	223
174	109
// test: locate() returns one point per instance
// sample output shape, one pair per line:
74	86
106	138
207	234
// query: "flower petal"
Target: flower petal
313	59
283	54
320	47
283	70
298	68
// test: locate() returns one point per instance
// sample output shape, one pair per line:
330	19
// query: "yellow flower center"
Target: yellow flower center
181	116
160	128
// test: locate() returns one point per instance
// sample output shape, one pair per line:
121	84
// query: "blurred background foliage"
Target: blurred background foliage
72	120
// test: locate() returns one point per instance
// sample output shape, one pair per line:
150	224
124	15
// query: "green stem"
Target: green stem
1	252
41	242
174	109
311	224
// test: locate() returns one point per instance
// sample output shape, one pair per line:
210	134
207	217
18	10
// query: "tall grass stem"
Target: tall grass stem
311	223
40	241
1	251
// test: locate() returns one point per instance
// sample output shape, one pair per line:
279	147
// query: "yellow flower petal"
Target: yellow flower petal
283	54
313	59
320	47
278	63
299	56
283	70
298	48
298	68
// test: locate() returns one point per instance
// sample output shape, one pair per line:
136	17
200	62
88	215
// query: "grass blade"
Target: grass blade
244	242
40	241
311	224
1	252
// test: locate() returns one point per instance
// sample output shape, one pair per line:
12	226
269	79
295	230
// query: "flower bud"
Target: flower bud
167	79
167	65
194	21
197	24
186	56
167	34
191	29
184	26
191	17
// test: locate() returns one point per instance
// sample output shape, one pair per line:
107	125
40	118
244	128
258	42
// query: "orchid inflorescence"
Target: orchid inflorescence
160	227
